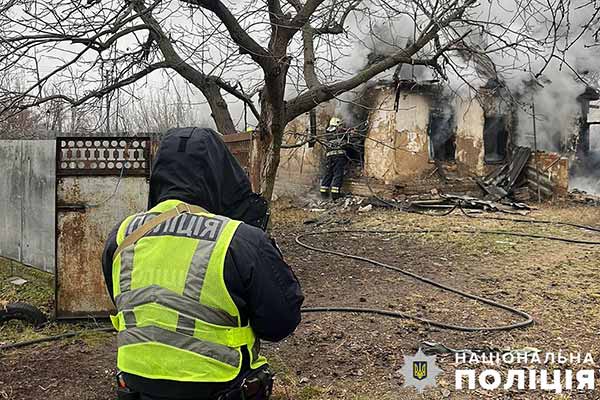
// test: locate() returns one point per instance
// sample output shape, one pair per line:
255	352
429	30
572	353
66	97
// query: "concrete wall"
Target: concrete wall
27	202
11	182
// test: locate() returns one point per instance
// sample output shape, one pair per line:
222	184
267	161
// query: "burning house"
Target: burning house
418	136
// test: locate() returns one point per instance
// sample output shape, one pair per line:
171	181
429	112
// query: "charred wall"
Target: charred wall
400	136
399	144
396	147
469	137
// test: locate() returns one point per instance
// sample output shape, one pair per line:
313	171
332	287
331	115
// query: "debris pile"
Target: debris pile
334	212
470	204
330	211
502	181
583	197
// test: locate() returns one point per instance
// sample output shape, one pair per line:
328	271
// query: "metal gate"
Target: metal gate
99	181
240	144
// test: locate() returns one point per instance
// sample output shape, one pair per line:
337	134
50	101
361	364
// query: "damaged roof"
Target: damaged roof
589	94
411	85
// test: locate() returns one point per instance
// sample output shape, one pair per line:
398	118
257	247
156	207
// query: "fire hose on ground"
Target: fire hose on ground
527	319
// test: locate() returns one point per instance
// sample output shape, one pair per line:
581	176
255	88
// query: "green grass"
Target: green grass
39	292
310	393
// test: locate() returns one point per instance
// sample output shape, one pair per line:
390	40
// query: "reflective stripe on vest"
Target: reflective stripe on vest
183	342
170	299
337	152
176	318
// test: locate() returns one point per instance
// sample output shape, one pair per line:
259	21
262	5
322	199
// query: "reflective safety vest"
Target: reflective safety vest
176	319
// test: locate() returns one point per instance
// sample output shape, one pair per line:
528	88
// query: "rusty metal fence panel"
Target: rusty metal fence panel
240	146
103	156
100	181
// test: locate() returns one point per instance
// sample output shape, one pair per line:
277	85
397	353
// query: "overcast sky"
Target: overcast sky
349	53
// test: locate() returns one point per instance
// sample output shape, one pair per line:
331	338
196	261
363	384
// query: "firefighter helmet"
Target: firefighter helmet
334	121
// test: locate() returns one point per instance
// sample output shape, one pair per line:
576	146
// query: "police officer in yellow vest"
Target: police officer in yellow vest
196	280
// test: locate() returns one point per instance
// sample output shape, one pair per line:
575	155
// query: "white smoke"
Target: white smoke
556	111
587	183
373	36
554	59
507	22
555	100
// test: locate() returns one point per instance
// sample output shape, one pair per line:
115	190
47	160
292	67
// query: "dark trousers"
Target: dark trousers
199	396
171	390
152	397
334	175
183	391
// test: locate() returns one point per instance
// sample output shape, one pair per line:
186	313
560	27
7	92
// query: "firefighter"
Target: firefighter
336	142
196	281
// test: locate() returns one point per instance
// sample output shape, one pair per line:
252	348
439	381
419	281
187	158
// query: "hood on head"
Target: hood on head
195	166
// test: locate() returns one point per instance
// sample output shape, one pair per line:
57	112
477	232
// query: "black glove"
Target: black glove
257	213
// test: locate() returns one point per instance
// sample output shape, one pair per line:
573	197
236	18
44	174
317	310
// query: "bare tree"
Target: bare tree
288	53
159	111
24	124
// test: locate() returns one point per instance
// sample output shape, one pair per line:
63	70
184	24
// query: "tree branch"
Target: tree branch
99	92
310	74
321	93
306	101
275	13
303	16
198	78
238	34
308	35
238	94
337	27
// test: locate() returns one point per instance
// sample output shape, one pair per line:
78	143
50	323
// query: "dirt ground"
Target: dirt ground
352	356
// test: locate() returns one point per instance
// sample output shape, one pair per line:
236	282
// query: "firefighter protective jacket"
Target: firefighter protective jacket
336	140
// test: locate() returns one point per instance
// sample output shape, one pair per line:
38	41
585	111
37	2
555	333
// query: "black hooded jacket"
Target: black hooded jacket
195	166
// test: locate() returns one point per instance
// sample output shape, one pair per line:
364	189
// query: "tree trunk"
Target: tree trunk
267	144
218	106
265	154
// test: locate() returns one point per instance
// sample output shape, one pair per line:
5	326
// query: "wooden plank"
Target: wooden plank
544	180
521	157
237	137
543	189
